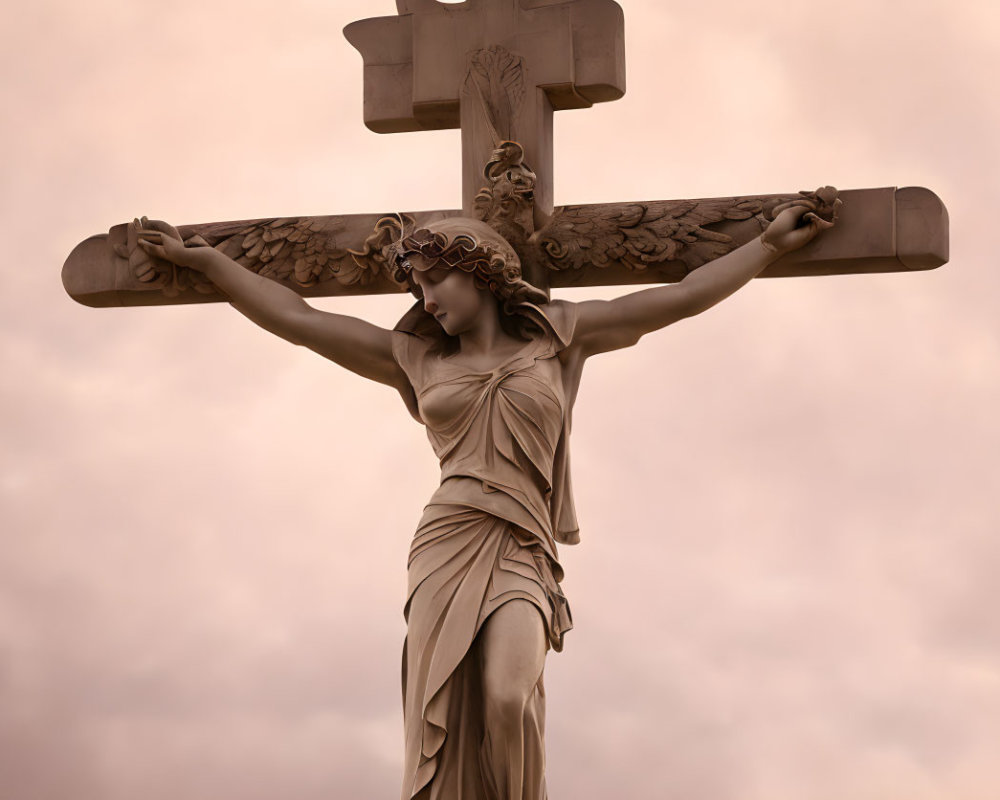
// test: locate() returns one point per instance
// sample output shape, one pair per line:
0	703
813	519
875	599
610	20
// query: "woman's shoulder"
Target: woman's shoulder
557	319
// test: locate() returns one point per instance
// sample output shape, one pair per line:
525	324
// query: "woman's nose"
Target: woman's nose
430	304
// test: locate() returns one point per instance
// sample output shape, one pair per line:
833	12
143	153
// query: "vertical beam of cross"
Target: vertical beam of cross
497	69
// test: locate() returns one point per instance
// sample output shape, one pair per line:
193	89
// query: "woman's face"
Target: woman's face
450	295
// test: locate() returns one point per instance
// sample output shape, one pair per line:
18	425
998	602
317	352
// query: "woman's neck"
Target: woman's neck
486	335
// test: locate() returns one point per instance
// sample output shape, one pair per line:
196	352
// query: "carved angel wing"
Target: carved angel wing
303	250
643	234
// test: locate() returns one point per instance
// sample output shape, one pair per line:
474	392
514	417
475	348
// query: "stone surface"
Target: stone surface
880	230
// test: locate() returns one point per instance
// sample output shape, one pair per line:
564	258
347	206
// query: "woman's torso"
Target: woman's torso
504	428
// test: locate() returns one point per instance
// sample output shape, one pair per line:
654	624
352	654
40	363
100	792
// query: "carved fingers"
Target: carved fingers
145	258
793	227
797	222
824	203
158	258
160	240
160	226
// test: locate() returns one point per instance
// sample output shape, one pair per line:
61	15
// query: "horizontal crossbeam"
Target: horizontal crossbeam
879	230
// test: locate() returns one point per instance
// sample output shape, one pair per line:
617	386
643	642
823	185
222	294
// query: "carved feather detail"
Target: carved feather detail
640	235
301	250
496	80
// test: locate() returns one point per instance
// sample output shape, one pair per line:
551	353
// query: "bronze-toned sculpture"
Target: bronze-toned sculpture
491	368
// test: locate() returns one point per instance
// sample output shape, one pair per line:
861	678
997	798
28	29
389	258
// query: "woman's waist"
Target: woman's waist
463	507
505	502
506	464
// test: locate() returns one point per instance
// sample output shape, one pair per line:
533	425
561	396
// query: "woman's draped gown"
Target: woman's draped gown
487	536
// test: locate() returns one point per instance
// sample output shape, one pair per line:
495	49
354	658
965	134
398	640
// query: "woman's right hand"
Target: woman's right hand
162	240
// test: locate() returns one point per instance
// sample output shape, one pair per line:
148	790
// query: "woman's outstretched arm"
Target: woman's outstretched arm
359	346
612	324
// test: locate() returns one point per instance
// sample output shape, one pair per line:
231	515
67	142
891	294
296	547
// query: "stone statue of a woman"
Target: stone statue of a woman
491	368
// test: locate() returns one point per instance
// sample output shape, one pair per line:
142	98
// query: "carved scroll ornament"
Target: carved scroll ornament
506	202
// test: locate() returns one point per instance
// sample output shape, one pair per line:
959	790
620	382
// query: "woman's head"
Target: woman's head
424	258
450	295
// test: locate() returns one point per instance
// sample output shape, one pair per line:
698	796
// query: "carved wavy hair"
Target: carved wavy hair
460	243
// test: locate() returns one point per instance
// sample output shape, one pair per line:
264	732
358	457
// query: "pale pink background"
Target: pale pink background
787	587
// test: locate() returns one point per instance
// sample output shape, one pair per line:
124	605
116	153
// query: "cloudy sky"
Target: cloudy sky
787	584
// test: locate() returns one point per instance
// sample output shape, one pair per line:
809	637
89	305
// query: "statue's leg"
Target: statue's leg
513	644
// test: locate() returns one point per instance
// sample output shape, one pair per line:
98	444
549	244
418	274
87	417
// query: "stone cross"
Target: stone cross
498	69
